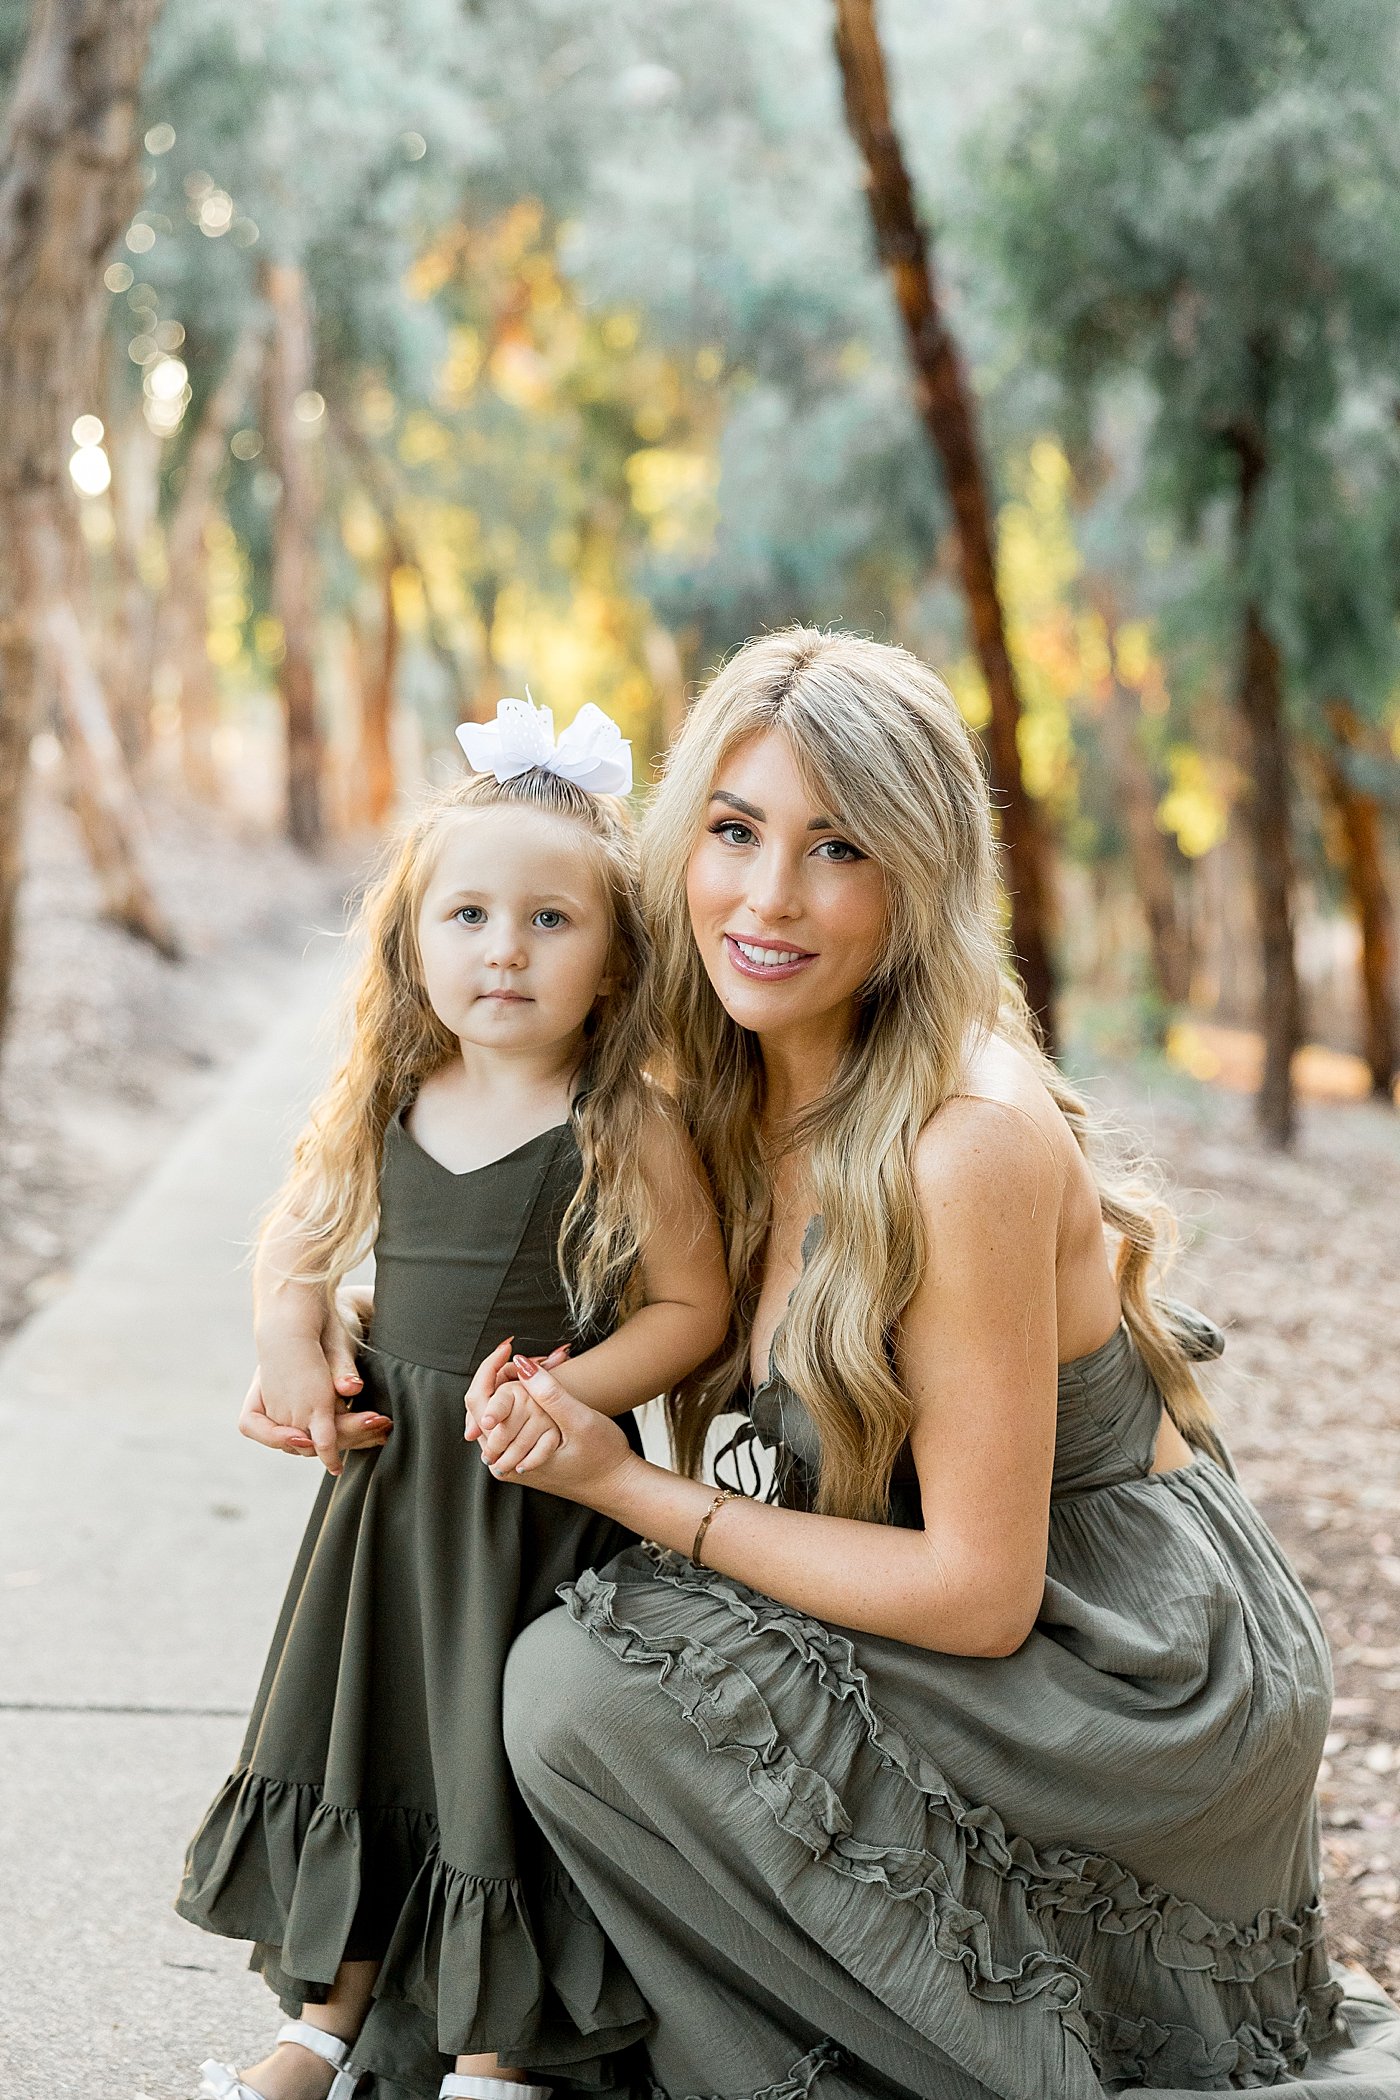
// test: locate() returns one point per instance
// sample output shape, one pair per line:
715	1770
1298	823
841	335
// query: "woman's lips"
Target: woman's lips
784	961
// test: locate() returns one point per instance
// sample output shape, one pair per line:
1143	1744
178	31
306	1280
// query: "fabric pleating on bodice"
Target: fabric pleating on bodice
1108	1412
463	1260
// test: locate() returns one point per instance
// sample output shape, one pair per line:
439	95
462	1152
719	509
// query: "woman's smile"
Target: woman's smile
766	959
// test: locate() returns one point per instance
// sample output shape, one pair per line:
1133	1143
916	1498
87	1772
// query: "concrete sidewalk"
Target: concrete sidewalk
144	1547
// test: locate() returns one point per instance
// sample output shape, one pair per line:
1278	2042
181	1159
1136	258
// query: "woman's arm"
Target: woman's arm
684	1315
978	1357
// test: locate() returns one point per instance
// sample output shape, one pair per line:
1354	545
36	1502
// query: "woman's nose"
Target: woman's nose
775	887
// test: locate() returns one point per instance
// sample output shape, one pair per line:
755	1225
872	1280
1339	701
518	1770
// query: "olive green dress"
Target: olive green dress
372	1814
841	1866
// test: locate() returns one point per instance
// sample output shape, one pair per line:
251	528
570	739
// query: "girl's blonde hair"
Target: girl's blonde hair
396	1040
877	737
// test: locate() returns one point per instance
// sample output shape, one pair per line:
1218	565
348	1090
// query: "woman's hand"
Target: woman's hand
573	1451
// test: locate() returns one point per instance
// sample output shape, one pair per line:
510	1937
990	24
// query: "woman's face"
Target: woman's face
789	916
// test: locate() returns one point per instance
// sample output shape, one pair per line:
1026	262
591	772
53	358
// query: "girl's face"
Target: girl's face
514	930
788	915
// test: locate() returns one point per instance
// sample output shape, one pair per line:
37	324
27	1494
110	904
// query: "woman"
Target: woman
979	1758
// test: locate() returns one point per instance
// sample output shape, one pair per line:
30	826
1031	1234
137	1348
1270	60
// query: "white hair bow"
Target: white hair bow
592	752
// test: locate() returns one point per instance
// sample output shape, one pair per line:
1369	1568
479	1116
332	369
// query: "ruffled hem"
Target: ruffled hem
1055	1927
799	2084
470	1950
530	1976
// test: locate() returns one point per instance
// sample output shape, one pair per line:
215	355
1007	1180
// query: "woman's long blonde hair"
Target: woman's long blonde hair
396	1040
877	736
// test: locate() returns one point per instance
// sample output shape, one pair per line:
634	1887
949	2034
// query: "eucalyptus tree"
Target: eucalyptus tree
1207	193
68	181
298	152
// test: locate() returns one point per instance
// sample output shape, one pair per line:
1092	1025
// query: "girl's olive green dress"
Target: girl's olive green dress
842	1867
372	1813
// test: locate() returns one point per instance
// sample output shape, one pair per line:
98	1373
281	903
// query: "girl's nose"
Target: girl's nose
505	950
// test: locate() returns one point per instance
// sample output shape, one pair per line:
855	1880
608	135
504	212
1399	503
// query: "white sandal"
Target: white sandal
465	2085
222	2082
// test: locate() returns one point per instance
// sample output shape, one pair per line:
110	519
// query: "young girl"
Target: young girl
494	1121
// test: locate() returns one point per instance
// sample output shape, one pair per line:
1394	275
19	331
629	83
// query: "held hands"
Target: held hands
529	1430
307	1411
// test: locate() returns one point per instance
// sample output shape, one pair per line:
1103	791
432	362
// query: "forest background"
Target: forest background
362	363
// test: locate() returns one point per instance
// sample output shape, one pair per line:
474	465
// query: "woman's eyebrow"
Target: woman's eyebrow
738	802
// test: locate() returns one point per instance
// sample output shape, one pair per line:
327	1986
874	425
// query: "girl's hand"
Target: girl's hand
520	1435
362	1431
592	1453
492	1391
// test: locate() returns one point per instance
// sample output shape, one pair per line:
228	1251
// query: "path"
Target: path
143	1551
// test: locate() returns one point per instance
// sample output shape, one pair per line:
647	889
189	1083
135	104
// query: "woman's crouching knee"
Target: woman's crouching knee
564	1700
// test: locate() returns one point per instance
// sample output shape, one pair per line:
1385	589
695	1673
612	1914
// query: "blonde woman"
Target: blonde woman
977	1757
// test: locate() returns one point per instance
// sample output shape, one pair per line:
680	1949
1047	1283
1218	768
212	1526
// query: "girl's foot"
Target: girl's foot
307	2064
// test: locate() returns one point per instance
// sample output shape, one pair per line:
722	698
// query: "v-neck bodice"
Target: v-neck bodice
462	1260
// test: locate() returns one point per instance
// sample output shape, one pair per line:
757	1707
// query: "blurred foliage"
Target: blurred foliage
603	360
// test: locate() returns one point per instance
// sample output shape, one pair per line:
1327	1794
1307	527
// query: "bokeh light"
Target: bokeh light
90	468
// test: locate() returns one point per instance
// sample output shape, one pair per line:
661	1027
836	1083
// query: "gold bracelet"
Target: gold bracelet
724	1495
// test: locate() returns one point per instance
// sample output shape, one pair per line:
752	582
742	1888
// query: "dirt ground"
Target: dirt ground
1299	1260
111	1050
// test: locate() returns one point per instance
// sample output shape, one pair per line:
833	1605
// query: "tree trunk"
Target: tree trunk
69	180
131	661
103	797
1359	817
381	486
377	702
184	614
1260	701
946	407
490	682
666	669
293	559
1148	853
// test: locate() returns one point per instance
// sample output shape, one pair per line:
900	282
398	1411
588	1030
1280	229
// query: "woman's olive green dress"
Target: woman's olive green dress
372	1814
842	1867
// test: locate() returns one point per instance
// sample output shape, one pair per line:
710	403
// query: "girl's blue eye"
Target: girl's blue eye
725	829
469	914
549	919
845	851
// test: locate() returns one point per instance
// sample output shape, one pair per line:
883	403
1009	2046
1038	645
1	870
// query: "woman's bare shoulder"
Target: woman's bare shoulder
995	1144
1002	1092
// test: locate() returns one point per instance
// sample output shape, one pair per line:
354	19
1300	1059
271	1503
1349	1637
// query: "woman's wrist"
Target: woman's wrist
657	1503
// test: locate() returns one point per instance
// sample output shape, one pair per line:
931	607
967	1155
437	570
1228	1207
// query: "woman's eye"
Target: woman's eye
840	850
470	914
732	832
548	920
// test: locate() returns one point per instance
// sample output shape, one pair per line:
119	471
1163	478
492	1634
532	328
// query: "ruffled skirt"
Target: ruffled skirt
1090	1866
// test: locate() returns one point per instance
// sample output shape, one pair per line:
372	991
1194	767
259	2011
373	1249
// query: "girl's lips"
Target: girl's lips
768	973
